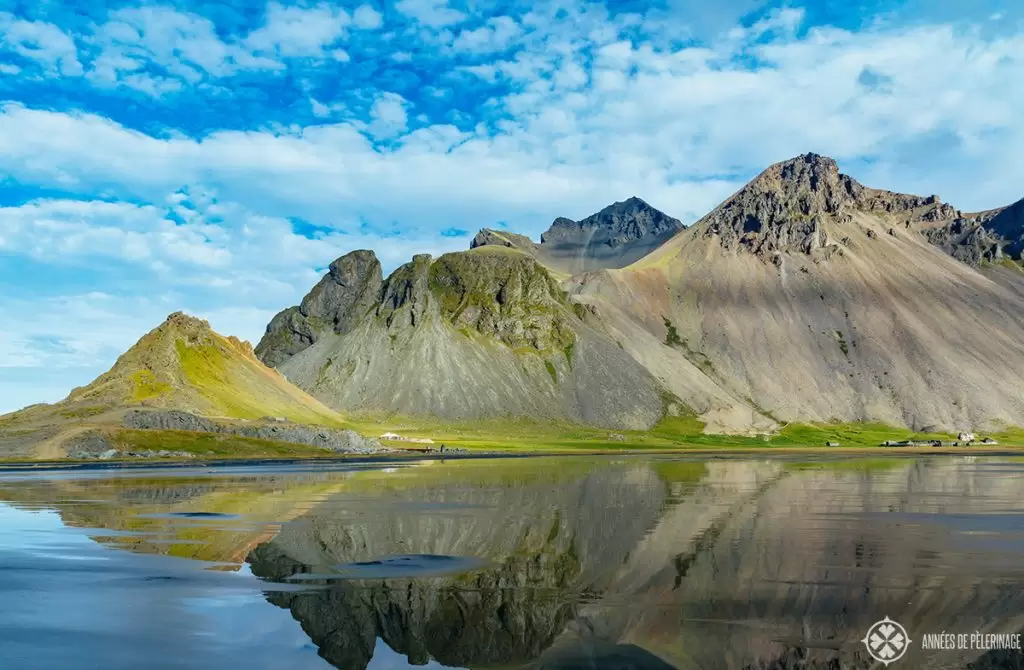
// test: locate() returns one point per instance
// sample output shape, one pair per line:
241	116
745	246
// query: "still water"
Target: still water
636	562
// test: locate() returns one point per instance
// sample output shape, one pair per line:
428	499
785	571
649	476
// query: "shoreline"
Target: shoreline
14	466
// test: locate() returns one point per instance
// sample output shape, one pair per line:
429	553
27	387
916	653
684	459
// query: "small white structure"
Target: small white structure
965	437
391	436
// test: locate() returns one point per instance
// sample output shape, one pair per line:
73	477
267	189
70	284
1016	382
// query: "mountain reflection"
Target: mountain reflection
732	564
562	563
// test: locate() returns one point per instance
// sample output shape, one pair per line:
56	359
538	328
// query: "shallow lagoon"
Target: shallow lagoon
581	562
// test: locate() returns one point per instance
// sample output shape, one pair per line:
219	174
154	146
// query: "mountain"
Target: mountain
484	333
616	236
983	238
810	297
804	297
183	364
182	370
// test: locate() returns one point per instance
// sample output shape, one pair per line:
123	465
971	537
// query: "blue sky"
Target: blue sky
216	156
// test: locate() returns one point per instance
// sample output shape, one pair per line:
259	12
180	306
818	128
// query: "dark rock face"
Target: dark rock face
784	208
345	294
967	241
781	209
986	237
618	235
1008	223
405	298
331	439
507	296
622	223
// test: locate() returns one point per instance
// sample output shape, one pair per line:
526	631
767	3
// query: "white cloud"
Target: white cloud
66	230
299	31
388	117
42	42
495	35
367	18
431	13
158	50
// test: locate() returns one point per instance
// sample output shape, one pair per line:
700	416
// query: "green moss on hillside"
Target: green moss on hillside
231	390
551	371
146	386
83	412
503	294
672	336
209	445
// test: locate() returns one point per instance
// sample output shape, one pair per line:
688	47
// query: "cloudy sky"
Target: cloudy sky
215	156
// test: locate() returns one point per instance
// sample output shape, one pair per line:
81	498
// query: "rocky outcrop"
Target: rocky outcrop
618	235
335	304
619	224
96	444
507	296
405	298
968	241
1008	224
502	238
330	439
786	208
782	209
479	334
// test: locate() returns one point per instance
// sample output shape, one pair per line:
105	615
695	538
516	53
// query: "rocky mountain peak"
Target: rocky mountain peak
350	288
184	322
783	208
621	222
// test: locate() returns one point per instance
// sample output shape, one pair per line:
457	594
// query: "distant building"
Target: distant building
391	436
965	437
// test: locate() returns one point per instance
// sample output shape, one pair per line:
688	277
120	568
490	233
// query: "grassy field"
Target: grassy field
675	433
679	434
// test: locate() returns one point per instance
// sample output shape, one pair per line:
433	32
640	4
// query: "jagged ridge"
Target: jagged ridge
616	236
485	333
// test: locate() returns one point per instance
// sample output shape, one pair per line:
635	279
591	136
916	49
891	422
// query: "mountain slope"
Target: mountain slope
181	365
485	333
816	298
618	235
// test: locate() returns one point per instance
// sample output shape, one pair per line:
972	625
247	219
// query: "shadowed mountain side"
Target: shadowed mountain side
983	238
479	334
846	319
620	234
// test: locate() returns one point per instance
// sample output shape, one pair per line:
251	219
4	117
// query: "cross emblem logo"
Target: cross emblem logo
886	641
